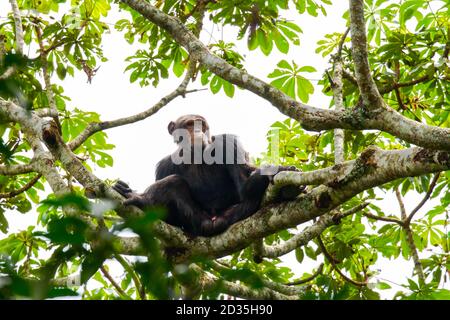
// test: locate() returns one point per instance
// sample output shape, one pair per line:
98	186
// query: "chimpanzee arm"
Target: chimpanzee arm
165	168
235	159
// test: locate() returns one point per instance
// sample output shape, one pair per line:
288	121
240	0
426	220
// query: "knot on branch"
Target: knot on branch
323	201
50	134
367	156
432	156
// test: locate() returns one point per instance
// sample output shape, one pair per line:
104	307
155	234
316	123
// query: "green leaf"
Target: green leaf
216	84
61	71
304	89
91	263
3	222
265	42
280	41
299	254
67	230
228	88
285	65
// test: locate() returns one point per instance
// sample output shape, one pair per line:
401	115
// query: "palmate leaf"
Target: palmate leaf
289	80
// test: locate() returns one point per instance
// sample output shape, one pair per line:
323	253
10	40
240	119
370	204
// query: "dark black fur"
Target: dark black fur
204	199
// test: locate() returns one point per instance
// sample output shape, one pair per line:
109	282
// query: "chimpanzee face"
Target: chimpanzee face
190	129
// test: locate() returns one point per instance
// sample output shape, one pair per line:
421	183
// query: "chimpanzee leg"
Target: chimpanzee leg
252	193
173	192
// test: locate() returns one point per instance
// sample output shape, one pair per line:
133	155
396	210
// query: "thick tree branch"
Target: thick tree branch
337	85
311	118
367	87
344	181
200	53
338	184
12	170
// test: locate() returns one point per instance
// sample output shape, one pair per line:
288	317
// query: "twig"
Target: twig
334	265
307	279
94	127
410	239
19	38
385	219
425	199
22	189
46	76
113	282
353	210
278	287
401	204
137	283
342	41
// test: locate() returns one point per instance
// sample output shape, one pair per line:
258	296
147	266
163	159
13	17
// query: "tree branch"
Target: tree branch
19	38
48	85
206	282
336	268
310	118
388	89
336	85
425	198
385	219
94	127
27	186
367	87
307	279
410	239
278	287
300	239
137	283
12	170
374	167
114	283
18	26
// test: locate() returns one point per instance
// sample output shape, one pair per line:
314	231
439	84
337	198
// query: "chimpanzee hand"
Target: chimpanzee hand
123	188
213	226
288	168
271	170
289	192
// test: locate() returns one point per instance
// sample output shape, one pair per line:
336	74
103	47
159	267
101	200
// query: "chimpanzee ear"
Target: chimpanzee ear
171	127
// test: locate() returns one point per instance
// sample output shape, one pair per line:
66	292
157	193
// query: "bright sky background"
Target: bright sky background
141	145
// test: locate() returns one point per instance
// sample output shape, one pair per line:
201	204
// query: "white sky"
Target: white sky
141	145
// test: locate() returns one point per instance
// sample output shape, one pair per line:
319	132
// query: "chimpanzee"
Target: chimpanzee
207	184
